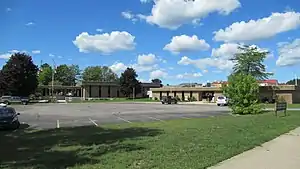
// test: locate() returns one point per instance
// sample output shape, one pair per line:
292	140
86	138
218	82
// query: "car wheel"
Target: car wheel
162	103
218	104
6	102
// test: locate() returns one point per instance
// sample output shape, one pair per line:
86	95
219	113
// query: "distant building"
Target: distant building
89	90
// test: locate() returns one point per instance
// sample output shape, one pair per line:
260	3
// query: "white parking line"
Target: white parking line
155	118
93	122
123	119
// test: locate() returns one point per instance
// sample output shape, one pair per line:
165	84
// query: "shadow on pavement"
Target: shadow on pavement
66	147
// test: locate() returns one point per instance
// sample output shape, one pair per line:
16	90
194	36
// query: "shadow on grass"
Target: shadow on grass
66	147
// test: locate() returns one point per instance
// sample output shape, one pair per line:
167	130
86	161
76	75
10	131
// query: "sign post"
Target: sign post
280	106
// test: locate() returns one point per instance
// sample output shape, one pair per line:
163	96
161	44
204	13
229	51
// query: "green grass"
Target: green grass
176	144
116	100
289	105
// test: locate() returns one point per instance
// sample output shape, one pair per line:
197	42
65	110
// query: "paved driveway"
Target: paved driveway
67	115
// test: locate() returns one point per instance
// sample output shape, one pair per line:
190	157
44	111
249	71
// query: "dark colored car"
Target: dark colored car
9	118
168	100
14	99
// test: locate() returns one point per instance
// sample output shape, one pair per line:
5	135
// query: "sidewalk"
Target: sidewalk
281	153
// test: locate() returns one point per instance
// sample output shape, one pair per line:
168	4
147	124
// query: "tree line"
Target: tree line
21	77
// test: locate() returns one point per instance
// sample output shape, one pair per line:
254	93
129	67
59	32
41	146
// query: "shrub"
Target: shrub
243	93
193	99
155	98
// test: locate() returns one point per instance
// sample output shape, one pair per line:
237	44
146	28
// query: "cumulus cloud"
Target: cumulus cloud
159	74
118	67
105	43
5	55
259	29
172	14
289	53
220	57
145	63
11	52
188	75
186	43
203	63
148	59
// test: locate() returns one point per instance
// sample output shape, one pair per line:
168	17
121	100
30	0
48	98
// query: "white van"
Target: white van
222	101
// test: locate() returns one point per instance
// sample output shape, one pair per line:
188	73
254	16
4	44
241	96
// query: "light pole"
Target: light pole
133	93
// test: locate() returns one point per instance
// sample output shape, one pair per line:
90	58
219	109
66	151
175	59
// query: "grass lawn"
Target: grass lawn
289	105
176	144
116	100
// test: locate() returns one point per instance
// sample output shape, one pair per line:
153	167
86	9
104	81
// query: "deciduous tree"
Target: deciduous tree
99	74
243	93
67	75
45	74
20	75
250	62
157	81
129	82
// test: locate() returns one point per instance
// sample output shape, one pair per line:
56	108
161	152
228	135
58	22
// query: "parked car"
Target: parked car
14	99
222	101
9	118
168	100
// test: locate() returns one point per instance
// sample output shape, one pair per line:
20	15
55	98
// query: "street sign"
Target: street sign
280	106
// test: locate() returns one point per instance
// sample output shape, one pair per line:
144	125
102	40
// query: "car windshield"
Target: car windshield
6	112
221	97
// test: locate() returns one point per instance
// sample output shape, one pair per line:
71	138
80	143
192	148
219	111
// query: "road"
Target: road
44	116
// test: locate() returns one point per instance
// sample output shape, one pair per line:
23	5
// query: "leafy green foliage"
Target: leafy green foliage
243	93
45	74
157	81
99	74
129	82
293	82
250	62
67	75
19	75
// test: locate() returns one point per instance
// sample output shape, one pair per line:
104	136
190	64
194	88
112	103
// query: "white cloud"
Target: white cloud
225	51
205	71
148	59
220	58
144	68
259	29
189	75
128	15
145	1
186	43
289	53
99	30
36	51
174	13
159	74
105	43
118	67
8	9
51	55
203	63
5	55
30	24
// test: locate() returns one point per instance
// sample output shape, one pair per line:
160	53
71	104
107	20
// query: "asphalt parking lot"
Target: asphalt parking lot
45	116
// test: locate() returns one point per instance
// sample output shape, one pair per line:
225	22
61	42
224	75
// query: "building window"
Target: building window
108	91
100	92
160	95
175	94
90	91
118	93
168	93
191	94
182	96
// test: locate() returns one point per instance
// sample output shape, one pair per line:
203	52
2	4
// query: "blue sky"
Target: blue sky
173	40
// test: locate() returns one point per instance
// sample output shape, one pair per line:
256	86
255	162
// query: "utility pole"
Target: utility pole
296	80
